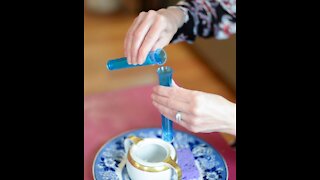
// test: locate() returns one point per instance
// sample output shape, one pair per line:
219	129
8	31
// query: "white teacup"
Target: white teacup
150	159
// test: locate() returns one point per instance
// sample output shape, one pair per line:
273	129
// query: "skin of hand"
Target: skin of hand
149	31
200	111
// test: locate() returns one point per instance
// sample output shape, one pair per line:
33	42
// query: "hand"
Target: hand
149	31
201	112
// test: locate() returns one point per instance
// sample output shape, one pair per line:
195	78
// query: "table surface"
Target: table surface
109	114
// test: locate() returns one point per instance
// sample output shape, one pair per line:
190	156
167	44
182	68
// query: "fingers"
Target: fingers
170	113
140	33
188	121
142	36
161	43
171	103
175	91
150	39
129	36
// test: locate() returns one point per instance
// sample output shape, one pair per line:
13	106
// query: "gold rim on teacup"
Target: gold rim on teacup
167	160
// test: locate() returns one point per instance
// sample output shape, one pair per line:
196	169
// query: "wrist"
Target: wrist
179	13
231	120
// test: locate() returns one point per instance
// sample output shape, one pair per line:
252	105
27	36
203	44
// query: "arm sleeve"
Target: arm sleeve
206	18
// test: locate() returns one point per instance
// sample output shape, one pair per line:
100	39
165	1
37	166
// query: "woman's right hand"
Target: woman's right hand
200	111
151	30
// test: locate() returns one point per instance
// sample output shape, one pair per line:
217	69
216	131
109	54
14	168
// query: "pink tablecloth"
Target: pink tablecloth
109	114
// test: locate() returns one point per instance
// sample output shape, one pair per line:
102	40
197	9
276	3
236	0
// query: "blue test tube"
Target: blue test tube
158	57
165	79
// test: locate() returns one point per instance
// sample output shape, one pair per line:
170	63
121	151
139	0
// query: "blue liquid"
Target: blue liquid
154	57
165	79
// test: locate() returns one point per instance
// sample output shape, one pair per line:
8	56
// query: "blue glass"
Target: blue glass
158	57
165	79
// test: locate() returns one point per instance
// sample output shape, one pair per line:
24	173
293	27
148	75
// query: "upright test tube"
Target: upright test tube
158	57
165	79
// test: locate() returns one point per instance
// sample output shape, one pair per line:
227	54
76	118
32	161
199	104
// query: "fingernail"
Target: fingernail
128	60
140	61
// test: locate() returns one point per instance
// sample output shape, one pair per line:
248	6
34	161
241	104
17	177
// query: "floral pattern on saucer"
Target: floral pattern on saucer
109	163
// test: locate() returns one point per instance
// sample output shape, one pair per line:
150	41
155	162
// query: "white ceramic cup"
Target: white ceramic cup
150	159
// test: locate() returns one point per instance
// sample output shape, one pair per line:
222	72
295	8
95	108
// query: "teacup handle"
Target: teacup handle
175	166
128	142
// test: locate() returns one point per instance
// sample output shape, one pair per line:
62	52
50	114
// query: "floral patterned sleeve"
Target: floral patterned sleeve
206	18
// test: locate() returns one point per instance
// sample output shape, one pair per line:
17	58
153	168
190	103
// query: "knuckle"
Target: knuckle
142	13
152	12
160	18
194	110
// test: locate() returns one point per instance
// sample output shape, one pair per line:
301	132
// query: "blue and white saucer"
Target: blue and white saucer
109	162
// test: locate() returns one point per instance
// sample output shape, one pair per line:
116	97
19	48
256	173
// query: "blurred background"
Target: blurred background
207	65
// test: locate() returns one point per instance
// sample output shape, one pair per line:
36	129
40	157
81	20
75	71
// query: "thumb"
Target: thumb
174	83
